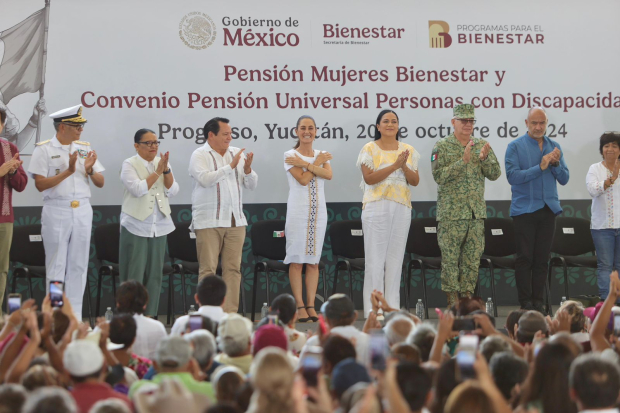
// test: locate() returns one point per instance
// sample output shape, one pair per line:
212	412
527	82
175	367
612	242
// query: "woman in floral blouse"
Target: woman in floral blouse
123	331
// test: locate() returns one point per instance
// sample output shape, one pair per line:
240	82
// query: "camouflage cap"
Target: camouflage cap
464	111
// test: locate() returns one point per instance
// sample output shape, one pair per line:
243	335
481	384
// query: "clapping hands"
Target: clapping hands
484	152
552	158
89	162
10	166
401	161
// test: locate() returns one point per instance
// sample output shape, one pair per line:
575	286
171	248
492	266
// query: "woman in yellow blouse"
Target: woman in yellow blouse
388	167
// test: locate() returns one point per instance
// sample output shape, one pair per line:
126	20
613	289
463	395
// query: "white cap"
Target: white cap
95	336
83	358
70	115
233	325
173	351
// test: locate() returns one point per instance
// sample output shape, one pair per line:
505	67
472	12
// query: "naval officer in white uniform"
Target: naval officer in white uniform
62	169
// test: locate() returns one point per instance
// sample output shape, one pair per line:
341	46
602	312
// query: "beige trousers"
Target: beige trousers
227	242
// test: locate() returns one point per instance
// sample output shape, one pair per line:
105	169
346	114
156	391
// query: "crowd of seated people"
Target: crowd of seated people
52	363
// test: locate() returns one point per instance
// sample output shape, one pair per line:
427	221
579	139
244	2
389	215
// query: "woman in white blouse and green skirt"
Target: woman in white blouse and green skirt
145	216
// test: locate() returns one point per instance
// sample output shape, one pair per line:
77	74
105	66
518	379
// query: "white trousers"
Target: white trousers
386	228
66	238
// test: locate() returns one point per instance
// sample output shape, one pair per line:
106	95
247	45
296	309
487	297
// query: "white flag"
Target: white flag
21	70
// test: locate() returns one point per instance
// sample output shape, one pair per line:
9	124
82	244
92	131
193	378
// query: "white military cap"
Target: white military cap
69	115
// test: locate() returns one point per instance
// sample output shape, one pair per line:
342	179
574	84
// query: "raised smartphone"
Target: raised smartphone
56	291
14	303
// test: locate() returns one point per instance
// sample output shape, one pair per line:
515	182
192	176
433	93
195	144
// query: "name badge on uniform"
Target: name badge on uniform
55	156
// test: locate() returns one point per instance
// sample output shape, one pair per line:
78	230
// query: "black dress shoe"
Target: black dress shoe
538	306
527	306
313	319
303	320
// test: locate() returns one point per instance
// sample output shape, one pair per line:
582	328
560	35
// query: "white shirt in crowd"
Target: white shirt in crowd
362	341
605	203
213	312
217	193
296	339
149	332
157	224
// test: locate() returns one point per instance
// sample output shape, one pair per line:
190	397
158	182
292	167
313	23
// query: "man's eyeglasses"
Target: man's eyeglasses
77	127
150	143
466	121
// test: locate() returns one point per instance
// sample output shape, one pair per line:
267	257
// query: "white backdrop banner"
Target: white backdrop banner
172	65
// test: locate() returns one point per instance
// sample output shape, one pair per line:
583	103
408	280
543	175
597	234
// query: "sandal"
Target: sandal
313	319
303	320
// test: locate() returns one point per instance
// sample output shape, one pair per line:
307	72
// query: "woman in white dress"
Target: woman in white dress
306	214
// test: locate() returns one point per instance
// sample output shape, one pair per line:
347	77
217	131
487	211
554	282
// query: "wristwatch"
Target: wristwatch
167	172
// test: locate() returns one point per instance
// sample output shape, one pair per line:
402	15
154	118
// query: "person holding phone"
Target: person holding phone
388	168
62	169
461	164
306	214
145	215
12	177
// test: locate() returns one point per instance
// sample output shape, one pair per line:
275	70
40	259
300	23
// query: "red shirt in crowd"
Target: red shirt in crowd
87	394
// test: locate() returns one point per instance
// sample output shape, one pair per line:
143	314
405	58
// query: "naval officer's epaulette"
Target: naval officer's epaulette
43	143
82	143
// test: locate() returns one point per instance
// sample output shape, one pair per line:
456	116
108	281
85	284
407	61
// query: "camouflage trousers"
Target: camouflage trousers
461	243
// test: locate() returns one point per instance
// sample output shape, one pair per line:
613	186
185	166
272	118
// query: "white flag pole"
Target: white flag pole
42	89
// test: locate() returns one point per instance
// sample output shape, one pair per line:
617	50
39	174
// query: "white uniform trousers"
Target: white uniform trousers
66	238
386	228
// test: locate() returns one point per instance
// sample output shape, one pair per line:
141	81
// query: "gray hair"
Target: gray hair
110	406
12	397
398	328
492	345
203	342
50	400
422	337
529	112
233	346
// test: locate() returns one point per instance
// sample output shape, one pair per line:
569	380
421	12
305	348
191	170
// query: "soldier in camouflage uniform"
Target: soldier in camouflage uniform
460	165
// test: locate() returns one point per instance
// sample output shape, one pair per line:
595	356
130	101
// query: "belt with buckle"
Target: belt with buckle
75	204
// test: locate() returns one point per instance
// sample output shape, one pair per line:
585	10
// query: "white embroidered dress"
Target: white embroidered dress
306	216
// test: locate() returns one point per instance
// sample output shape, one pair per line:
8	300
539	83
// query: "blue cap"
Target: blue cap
346	374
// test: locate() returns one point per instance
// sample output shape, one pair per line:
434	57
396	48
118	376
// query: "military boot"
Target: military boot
453	298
